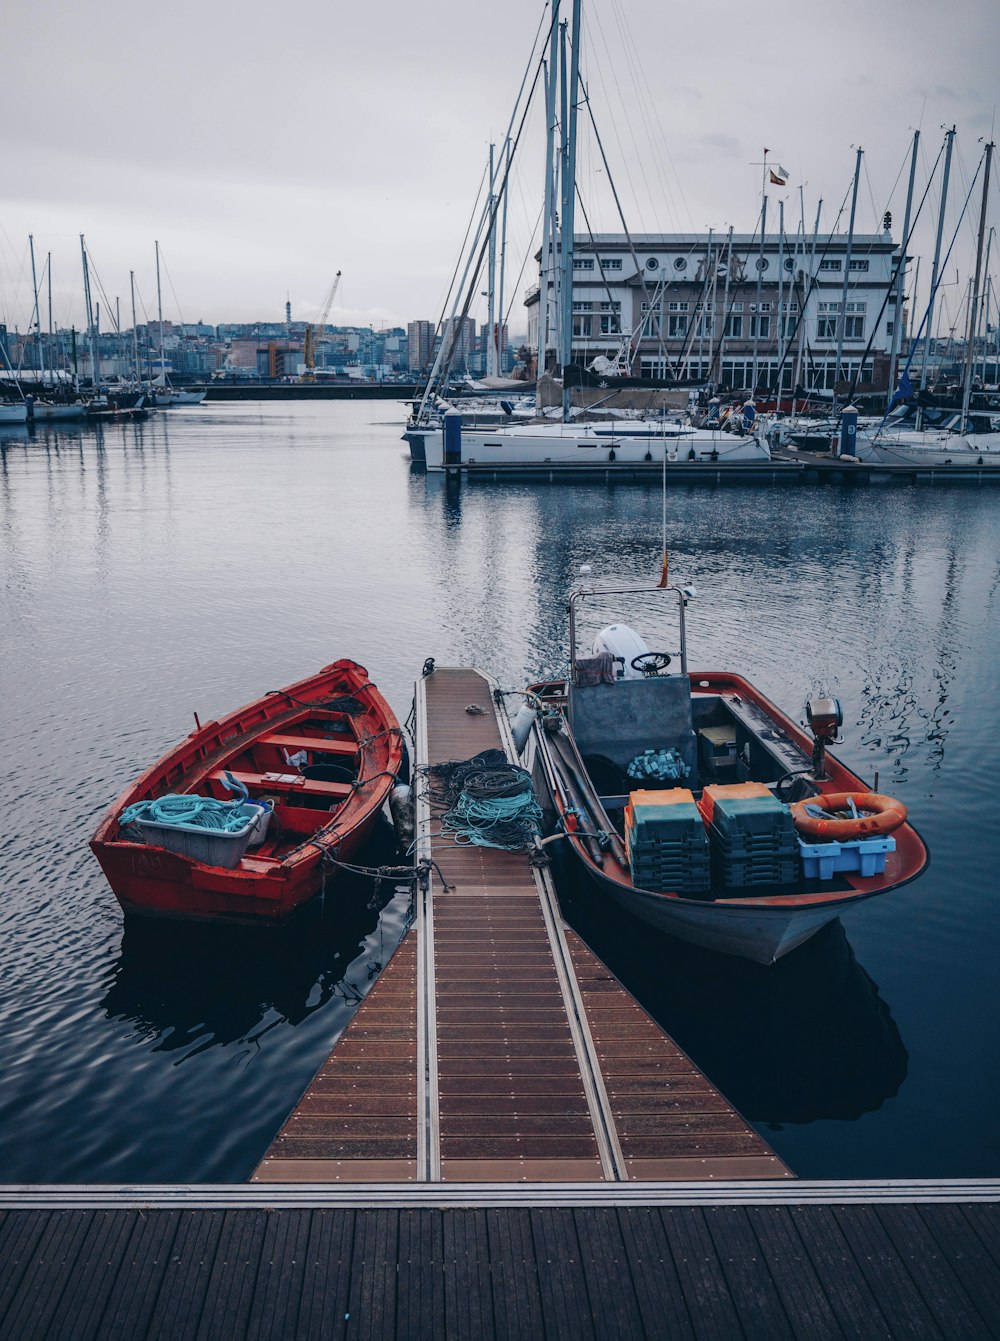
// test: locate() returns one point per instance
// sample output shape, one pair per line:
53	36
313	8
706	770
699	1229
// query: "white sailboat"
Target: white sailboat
614	441
161	394
969	439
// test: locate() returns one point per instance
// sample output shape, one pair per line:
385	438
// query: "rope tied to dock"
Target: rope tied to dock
490	801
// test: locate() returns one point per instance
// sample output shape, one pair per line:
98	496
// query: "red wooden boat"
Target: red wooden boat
326	752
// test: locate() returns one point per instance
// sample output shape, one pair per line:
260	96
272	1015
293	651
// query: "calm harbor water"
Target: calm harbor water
191	562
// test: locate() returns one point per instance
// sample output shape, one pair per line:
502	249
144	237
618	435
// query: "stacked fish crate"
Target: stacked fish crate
751	834
666	842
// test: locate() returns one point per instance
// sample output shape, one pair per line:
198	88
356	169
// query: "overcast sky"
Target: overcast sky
267	146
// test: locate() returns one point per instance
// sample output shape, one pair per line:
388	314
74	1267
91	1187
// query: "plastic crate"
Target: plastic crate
717	749
821	861
204	845
726	793
739	874
691	880
746	813
666	841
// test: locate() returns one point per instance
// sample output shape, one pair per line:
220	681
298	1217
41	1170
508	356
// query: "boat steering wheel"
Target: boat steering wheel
651	663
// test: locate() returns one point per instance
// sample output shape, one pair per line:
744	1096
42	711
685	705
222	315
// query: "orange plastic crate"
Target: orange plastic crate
735	791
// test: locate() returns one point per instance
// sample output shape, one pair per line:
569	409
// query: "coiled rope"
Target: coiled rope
490	802
199	812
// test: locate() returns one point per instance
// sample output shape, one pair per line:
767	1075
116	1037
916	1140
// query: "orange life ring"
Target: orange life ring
877	815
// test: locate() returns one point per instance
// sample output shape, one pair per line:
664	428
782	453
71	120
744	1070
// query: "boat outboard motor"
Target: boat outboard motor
824	717
624	644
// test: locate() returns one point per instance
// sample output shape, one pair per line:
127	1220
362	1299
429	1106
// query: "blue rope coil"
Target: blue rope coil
200	812
505	822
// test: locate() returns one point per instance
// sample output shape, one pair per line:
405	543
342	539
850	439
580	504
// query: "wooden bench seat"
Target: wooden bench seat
343	745
288	784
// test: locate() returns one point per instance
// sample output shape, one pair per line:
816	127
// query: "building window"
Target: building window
677	307
737	307
583	307
581	327
789	263
649	307
734	327
762	263
611	324
680	263
760	327
859	265
826	328
583	263
889	327
611	307
676	326
835	264
652	264
854	328
611	262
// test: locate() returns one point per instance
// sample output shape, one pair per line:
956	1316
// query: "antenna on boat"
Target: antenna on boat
664	572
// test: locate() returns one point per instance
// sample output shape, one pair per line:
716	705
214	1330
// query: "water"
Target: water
189	563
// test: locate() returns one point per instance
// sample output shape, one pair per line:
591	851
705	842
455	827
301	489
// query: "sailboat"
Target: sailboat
969	439
161	394
609	440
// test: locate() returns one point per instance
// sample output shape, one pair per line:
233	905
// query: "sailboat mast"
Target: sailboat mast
569	202
545	275
842	316
503	264
135	332
725	304
491	267
36	321
91	335
159	314
949	141
897	324
984	306
781	294
760	275
974	303
707	309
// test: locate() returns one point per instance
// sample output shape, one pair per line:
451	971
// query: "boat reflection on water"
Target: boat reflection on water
188	986
806	1039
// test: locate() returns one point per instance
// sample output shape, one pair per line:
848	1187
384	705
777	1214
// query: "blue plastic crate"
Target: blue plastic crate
821	861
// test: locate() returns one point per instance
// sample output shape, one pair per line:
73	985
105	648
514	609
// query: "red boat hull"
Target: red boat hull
269	885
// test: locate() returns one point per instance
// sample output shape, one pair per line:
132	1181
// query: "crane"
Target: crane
314	331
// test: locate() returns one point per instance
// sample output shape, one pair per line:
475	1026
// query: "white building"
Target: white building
740	315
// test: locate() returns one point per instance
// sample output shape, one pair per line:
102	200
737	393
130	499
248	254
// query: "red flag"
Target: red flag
775	179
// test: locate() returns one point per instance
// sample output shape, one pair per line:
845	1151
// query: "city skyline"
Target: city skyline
264	156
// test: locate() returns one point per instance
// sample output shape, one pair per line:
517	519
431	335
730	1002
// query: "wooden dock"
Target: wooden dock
768	1261
496	1048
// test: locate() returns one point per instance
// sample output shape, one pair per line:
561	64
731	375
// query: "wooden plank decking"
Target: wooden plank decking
496	1048
337	1273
